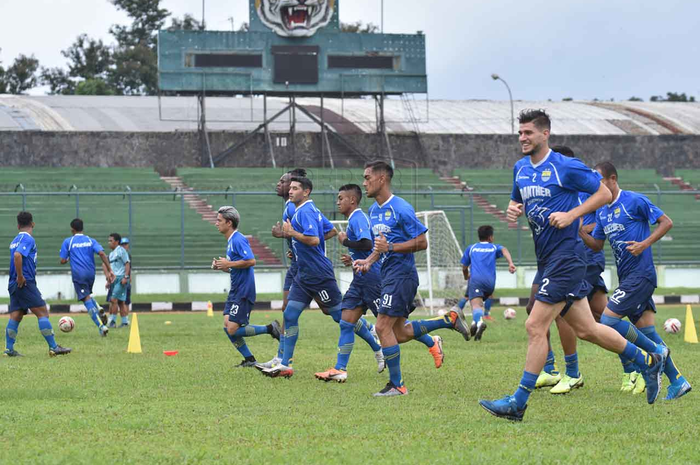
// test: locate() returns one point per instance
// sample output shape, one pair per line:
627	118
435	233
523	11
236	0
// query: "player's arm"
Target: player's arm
311	241
106	267
64	261
664	225
416	244
18	258
596	245
506	254
127	273
601	197
330	234
277	231
225	265
514	211
465	272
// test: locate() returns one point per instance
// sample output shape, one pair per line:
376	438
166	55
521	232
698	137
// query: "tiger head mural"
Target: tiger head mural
295	18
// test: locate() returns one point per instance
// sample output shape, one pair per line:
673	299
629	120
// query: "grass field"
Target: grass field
102	405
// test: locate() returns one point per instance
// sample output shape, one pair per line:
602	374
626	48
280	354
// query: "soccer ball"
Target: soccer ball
672	325
509	313
66	324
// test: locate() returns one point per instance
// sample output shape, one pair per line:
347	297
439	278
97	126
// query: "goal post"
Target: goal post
439	270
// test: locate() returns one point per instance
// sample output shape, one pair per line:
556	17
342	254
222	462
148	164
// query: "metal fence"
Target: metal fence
167	233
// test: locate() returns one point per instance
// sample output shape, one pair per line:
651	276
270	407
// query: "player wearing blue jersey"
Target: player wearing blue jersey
79	250
121	267
315	277
545	189
625	224
398	234
239	262
24	293
479	269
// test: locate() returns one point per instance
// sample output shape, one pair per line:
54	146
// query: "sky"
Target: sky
604	49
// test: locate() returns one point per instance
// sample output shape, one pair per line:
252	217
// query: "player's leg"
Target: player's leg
11	331
231	328
42	315
123	312
478	326
386	324
487	308
572	377
598	300
549	376
350	318
679	385
113	309
83	291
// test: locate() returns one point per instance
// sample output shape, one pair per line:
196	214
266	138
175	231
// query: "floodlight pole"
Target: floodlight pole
382	16
496	77
203	21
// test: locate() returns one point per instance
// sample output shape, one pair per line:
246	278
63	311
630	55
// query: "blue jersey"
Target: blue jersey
597	258
80	249
288	213
397	220
552	185
242	279
24	244
627	219
359	228
482	259
313	263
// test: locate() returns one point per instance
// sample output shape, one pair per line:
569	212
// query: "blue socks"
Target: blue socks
462	303
630	332
291	329
671	371
345	344
487	306
392	357
422	327
627	364
251	330
425	339
477	313
527	385
11	334
634	353
362	330
239	343
125	320
572	365
91	307
47	332
549	366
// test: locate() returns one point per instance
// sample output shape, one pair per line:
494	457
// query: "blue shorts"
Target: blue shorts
476	289
83	288
326	290
289	277
24	298
365	295
118	290
562	280
632	298
594	277
238	310
397	296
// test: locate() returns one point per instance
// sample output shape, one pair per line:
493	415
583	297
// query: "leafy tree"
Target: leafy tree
3	74
359	27
672	97
22	75
187	23
58	80
635	99
147	19
88	58
94	87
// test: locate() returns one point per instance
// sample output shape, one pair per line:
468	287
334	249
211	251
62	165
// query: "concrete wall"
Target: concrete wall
166	151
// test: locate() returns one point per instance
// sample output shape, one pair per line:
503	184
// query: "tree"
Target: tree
22	75
187	23
672	97
635	99
94	87
88	58
3	83
58	80
359	27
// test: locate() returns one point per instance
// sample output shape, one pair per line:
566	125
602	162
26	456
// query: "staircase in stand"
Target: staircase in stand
682	185
262	252
481	201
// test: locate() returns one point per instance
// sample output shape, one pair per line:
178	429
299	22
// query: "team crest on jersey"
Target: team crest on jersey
546	174
617	212
387	215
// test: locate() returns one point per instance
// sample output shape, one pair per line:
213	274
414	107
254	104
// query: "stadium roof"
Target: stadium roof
146	114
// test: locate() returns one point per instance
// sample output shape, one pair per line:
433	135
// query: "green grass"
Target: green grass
102	405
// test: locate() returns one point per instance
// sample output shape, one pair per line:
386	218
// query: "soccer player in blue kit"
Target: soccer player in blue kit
625	224
315	277
239	262
397	235
79	250
545	188
24	293
481	258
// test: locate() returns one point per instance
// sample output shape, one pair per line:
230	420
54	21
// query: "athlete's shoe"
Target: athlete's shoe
504	408
628	381
436	351
654	373
279	371
246	364
480	328
102	314
390	391
276	330
639	384
267	365
12	353
381	363
104	330
458	324
124	325
58	350
112	324
567	384
678	388
339	376
487	317
547	379
472	329
458	310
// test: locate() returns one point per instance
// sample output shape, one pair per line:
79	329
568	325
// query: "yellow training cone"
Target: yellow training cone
134	338
690	334
210	309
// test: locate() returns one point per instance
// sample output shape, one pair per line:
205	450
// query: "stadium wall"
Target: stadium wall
443	152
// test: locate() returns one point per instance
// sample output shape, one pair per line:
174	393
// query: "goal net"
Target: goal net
439	269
